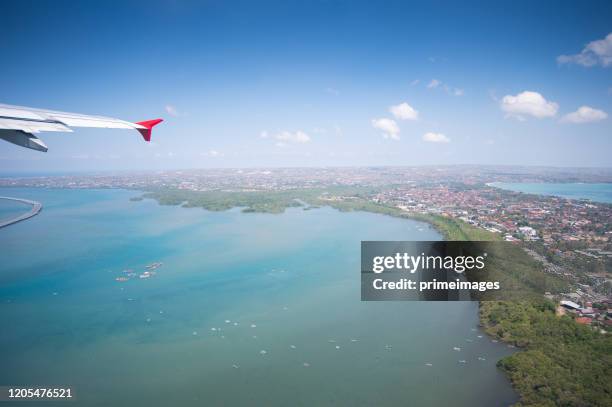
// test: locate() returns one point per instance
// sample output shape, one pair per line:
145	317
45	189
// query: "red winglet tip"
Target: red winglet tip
149	124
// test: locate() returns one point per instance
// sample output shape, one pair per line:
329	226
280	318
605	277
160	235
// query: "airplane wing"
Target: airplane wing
18	125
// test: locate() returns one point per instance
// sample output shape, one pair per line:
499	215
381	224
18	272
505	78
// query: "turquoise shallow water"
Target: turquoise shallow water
594	192
295	277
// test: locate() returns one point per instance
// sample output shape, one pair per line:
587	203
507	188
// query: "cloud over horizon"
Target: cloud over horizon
431	137
598	52
585	114
528	103
212	154
172	110
404	111
434	84
388	126
296	137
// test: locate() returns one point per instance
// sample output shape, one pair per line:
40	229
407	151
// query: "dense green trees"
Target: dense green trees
275	201
562	363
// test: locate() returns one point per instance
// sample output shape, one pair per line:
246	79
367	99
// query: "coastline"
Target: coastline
497	319
450	229
596	192
284	273
540	383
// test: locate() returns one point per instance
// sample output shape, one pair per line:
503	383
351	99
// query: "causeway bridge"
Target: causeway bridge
35	210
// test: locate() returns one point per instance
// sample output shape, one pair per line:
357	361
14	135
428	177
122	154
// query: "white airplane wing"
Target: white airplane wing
18	125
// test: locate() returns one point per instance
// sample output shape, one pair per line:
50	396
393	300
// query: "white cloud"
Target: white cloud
435	138
434	84
388	126
298	137
213	154
285	137
172	110
414	82
448	89
585	114
404	111
453	91
597	52
528	103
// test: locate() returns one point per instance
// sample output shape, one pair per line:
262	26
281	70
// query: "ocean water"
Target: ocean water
288	284
10	209
594	192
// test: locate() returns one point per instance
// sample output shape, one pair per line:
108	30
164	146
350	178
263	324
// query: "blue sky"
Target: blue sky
267	84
